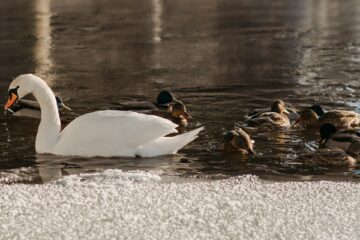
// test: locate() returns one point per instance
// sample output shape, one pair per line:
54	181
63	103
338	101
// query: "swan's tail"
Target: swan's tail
167	145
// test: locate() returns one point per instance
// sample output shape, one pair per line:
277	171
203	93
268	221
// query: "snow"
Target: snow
140	205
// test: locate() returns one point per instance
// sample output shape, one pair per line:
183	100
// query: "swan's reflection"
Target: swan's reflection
51	167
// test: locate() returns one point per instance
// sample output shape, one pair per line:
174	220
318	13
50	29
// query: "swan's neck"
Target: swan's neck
50	125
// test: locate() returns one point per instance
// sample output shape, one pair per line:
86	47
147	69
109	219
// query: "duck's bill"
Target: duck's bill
11	100
287	111
250	151
187	116
65	107
9	110
297	122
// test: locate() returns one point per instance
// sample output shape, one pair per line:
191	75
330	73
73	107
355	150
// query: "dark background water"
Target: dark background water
222	58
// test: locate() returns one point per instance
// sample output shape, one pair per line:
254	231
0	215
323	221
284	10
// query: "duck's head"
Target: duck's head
179	111
165	98
308	118
278	106
237	140
318	109
20	87
326	130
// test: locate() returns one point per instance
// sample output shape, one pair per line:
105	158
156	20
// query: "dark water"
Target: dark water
222	58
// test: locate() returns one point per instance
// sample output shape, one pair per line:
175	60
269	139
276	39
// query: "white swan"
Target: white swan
103	133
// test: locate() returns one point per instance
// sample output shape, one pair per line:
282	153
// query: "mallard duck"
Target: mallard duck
275	118
237	140
327	157
28	108
164	102
290	112
347	140
315	117
166	106
106	133
178	114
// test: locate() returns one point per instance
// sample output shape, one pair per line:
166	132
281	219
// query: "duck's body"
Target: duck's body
290	112
347	140
341	119
164	102
141	106
239	141
275	118
102	133
327	157
28	108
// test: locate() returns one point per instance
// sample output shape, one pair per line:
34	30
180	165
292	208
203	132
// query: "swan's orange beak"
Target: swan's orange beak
11	100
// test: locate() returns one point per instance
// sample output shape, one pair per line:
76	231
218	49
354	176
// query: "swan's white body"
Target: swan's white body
102	133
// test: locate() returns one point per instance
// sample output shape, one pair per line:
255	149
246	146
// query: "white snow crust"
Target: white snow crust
138	205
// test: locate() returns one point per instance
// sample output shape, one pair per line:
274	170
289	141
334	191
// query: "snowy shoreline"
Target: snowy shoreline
138	205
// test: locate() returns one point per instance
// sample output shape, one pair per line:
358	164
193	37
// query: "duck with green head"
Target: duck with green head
166	106
315	116
177	114
164	101
337	148
347	140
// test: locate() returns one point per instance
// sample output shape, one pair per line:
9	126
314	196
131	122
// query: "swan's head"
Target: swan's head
61	104
20	87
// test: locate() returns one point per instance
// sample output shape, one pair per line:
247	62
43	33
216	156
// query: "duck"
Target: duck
163	102
166	106
106	133
347	140
290	112
237	140
315	116
178	114
335	157
28	108
275	118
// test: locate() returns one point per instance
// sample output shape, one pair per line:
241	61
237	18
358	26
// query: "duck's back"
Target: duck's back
340	119
270	118
111	133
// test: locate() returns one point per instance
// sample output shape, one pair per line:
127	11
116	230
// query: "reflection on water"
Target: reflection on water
43	39
157	8
222	58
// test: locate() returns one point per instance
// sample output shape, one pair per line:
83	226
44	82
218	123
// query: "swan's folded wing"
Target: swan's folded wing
113	129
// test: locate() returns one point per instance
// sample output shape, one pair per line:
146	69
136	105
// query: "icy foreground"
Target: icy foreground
123	205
